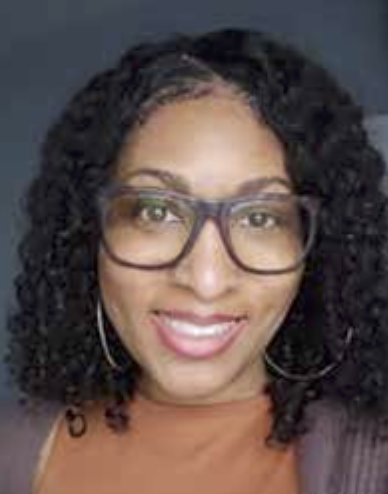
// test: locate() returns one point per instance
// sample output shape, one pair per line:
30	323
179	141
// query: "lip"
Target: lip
191	347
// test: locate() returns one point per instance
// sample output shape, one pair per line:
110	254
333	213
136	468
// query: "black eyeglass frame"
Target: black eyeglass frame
216	210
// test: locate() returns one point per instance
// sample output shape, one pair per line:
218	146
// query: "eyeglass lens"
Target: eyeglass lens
148	229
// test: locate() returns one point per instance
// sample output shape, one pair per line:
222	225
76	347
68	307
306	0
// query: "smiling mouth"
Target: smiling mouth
197	337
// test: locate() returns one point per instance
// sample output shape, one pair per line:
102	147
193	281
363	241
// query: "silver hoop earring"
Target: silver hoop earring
312	376
103	340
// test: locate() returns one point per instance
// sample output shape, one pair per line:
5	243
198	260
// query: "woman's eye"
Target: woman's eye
156	213
259	219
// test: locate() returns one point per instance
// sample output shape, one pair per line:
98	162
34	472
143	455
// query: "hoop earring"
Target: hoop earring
312	376
103	340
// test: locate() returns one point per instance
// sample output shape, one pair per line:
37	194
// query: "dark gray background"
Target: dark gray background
49	48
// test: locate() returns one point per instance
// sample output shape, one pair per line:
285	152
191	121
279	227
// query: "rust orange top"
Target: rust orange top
173	449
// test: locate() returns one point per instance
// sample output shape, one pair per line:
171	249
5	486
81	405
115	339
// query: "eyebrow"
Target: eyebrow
179	184
170	179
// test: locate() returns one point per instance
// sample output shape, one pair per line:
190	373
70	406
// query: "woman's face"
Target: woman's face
216	148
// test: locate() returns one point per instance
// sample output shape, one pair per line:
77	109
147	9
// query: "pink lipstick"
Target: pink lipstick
196	336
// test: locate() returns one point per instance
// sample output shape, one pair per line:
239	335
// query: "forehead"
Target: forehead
213	144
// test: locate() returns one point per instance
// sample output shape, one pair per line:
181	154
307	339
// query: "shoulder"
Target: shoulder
23	431
22	421
343	454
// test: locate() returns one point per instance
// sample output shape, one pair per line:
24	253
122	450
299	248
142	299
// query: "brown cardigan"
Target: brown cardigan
332	459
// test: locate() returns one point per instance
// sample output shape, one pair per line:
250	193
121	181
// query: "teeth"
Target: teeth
198	331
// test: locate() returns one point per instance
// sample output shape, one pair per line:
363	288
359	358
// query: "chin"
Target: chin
195	387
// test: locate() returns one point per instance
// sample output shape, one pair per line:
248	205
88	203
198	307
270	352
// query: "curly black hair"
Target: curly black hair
54	351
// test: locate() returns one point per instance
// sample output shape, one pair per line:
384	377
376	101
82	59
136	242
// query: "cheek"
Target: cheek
271	300
126	293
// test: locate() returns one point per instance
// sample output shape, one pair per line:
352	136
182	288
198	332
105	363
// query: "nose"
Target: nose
207	270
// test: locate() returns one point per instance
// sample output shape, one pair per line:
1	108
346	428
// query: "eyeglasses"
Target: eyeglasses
150	228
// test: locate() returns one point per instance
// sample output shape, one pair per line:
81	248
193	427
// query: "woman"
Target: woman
203	288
